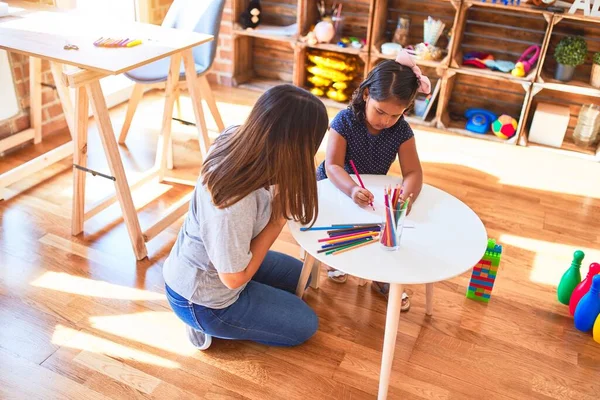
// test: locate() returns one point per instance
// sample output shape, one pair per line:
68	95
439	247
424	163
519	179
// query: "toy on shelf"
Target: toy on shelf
479	120
581	289
588	309
570	279
484	273
526	61
486	60
329	74
250	18
505	127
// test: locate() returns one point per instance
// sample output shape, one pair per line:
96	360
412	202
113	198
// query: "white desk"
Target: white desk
447	239
43	35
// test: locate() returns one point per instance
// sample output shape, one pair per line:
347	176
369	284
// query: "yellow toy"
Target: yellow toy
319	81
317	91
332	63
329	74
337	95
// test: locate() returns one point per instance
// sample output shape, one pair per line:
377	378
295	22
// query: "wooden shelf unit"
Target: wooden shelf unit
505	31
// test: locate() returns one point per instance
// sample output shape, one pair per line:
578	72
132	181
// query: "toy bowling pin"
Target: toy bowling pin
597	330
583	287
570	279
588	309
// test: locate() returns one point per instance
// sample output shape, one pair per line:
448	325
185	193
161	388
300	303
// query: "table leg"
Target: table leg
389	340
315	275
309	261
362	282
194	88
164	140
64	96
429	299
210	100
80	134
111	148
35	97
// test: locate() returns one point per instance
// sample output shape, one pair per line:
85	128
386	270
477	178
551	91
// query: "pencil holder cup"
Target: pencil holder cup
392	227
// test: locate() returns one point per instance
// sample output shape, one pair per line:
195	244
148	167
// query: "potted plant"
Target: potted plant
569	53
595	77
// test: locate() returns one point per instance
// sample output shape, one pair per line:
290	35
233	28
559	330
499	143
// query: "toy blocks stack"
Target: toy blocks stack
484	273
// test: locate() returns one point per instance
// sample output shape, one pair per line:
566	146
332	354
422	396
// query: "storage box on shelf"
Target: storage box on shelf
385	20
504	32
307	70
356	22
567	26
541	94
461	91
262	58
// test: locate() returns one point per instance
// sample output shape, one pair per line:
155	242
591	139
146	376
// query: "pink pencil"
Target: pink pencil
360	180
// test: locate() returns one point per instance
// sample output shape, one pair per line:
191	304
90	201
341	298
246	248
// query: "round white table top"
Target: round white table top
442	237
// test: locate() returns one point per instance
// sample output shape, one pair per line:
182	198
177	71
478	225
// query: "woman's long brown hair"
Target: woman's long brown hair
276	146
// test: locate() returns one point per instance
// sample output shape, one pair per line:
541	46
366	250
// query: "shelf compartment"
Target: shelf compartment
462	91
356	15
542	94
563	27
259	60
303	73
501	31
385	19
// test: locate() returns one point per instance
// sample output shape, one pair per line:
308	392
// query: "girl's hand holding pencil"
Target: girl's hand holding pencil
362	197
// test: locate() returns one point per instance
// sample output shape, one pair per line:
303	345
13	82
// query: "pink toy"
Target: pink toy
526	61
583	287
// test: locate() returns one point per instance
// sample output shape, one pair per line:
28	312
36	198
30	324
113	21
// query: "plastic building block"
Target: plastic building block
484	273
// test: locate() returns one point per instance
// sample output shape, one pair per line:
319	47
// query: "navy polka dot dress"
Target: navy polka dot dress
372	154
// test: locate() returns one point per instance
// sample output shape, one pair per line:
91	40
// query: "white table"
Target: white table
446	239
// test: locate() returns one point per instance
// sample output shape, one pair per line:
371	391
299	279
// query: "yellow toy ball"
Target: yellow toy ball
505	126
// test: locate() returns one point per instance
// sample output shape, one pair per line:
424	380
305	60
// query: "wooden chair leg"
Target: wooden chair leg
134	100
80	134
429	299
115	164
207	94
164	140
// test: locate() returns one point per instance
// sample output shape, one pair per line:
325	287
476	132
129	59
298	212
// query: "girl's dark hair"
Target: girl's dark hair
388	79
275	146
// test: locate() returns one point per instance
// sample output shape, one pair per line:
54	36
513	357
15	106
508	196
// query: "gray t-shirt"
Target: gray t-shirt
214	240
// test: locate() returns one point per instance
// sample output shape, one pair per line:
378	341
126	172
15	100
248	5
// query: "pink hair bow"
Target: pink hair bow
405	59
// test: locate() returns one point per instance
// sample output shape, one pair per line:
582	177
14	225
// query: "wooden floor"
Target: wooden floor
80	319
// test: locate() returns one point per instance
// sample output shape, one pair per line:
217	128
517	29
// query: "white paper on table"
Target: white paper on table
364	215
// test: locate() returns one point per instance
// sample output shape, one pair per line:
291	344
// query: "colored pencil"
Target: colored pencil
353	247
337	232
360	180
325	228
349	234
344	244
348	246
362	235
354	225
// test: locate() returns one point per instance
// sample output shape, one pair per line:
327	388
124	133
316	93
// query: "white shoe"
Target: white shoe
201	340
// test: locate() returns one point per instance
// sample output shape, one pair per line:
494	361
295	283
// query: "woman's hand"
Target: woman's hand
403	198
361	196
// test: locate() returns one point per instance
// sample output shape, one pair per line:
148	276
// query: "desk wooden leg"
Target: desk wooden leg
64	96
79	133
111	148
35	97
164	140
389	340
193	87
429	299
309	261
315	276
207	94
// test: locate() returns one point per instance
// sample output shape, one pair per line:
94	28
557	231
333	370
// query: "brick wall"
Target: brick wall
222	69
53	118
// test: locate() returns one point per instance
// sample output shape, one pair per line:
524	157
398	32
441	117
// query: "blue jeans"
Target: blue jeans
267	311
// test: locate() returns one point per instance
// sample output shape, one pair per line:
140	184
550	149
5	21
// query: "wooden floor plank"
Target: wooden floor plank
80	318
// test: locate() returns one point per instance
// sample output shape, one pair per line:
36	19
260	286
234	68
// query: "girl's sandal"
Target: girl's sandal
384	290
337	276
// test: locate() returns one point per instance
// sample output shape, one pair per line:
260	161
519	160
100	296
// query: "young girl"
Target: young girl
221	279
371	133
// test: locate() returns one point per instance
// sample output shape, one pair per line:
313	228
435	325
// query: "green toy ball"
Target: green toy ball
505	126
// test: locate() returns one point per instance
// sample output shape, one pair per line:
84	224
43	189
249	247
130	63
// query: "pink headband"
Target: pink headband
405	59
